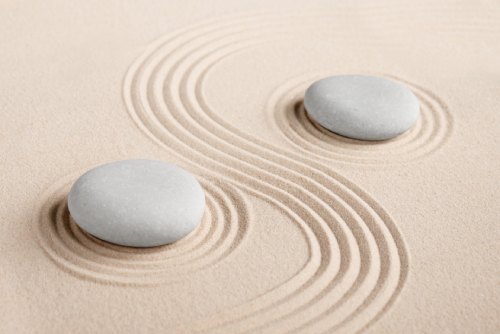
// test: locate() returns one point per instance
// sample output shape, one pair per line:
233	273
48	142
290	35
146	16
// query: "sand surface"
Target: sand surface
304	231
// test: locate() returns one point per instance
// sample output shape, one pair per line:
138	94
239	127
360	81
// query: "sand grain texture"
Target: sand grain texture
304	231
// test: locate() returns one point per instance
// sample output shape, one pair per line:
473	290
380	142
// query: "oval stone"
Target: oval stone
362	107
137	203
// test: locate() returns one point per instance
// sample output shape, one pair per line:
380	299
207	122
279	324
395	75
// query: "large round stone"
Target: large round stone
138	203
362	107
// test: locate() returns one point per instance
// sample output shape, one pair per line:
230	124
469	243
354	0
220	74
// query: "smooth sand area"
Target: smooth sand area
304	231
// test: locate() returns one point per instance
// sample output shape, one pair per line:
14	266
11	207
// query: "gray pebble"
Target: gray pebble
138	203
362	107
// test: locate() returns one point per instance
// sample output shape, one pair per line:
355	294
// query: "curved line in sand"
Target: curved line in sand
205	57
162	117
223	228
432	130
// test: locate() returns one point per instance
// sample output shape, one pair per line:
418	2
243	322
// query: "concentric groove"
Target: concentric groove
222	229
357	262
431	131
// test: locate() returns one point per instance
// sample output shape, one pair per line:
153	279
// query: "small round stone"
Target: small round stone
137	203
362	107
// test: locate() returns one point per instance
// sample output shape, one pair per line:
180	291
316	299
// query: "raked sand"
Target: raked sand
304	231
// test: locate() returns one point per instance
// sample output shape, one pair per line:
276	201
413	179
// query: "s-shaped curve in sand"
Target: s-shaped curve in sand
358	262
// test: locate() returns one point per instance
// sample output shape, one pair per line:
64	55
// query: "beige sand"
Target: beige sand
304	231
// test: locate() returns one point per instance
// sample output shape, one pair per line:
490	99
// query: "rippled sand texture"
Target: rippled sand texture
222	228
357	261
305	231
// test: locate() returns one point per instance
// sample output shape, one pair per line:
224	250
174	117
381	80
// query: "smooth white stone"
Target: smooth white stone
362	107
138	203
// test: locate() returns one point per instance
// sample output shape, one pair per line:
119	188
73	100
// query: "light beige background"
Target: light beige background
84	83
